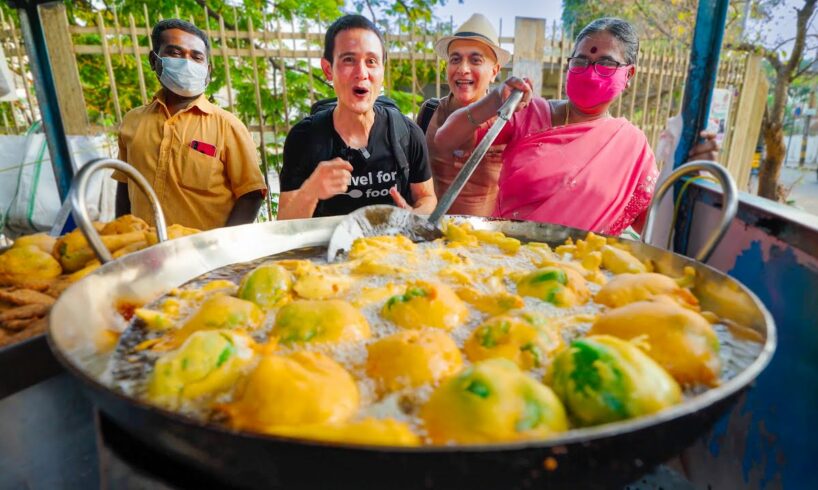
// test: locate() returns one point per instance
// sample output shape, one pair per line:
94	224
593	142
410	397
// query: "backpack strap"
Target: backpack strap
320	131
386	102
427	110
323	105
399	136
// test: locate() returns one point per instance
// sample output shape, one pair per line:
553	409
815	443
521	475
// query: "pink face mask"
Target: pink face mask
588	89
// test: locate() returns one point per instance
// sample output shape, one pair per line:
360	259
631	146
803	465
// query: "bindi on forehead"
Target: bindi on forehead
593	49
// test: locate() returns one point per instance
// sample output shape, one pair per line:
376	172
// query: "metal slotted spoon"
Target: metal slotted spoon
384	219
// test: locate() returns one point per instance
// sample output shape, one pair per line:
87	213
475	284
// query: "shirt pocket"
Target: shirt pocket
198	170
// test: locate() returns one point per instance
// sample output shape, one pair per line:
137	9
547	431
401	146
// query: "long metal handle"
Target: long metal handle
80	210
729	202
448	197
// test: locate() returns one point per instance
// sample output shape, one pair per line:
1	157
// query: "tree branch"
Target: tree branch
652	20
803	70
403	4
216	15
804	16
730	23
284	68
771	56
809	23
778	46
71	8
371	11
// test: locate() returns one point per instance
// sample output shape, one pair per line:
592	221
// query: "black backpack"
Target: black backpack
399	135
427	110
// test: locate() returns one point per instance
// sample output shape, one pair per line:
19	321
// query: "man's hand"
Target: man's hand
329	179
706	150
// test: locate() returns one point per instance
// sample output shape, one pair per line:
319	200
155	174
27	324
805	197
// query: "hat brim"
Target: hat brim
442	47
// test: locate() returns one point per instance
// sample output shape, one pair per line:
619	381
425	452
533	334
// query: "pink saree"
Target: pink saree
596	176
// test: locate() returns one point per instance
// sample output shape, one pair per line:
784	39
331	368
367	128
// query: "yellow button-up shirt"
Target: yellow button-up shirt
195	189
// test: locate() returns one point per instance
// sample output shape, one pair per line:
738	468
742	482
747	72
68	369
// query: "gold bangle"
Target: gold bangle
471	118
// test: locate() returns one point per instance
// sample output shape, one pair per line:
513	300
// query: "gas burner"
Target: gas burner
127	463
54	436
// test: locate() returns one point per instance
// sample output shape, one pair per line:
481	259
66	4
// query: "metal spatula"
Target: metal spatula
383	219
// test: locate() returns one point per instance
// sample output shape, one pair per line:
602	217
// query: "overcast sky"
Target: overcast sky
783	26
506	10
780	29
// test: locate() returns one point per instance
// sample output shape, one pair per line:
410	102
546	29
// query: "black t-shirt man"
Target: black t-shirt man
353	61
374	172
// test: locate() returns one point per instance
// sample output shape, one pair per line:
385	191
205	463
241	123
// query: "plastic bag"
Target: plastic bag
29	200
665	151
6	80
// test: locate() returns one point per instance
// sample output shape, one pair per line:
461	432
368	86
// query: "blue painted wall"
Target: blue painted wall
784	403
773	432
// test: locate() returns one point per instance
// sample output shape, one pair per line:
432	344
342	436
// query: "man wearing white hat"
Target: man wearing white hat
474	58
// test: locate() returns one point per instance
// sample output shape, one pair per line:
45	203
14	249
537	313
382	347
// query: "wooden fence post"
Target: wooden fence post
387	76
654	130
649	60
561	63
529	48
140	74
259	107
17	50
64	63
413	66
106	52
308	47
284	99
749	114
437	70
226	59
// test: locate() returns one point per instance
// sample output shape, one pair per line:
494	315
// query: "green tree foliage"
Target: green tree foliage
237	16
294	76
668	20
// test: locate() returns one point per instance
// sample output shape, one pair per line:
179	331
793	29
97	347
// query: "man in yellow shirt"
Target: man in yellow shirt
199	158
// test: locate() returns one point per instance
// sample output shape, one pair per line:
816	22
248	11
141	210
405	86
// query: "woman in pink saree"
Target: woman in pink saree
595	175
568	161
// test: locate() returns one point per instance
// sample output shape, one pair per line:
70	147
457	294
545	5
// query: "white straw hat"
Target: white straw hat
477	28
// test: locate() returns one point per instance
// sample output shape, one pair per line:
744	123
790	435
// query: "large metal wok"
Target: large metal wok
598	457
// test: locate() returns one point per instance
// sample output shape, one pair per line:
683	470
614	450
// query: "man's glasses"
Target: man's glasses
603	68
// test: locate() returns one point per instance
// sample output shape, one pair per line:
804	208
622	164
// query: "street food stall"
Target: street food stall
147	353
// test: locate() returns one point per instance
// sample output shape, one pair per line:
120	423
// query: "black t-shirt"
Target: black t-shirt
372	177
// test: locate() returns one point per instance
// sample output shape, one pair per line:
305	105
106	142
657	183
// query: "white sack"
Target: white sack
29	200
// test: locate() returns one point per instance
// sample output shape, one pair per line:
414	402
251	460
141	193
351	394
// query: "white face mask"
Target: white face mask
182	76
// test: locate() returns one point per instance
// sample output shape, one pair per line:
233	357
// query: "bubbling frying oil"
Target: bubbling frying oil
474	265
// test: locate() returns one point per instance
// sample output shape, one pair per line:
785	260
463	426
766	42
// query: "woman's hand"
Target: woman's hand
513	83
706	150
